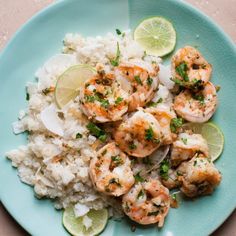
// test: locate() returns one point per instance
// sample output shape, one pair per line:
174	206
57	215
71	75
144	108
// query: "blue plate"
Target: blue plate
42	37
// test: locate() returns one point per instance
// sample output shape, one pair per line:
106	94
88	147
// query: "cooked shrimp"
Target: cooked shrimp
198	107
140	80
147	203
110	172
198	176
102	99
189	68
172	179
164	115
139	135
186	146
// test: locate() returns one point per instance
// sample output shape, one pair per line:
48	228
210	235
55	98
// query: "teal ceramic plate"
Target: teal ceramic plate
42	37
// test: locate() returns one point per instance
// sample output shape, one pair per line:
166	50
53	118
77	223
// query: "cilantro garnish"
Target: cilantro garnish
115	62
175	124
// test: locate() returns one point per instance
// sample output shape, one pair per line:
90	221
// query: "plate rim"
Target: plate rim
57	3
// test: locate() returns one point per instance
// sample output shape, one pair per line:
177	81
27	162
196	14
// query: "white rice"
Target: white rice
57	165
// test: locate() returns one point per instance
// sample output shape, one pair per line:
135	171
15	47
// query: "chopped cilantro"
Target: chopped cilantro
118	100
78	135
90	98
200	98
132	146
149	81
140	194
195	163
138	177
104	152
102	138
27	96
181	69
184	140
117	160
154	104
96	131
175	123
149	134
104	103
115	62
174	196
138	80
164	168
195	84
118	32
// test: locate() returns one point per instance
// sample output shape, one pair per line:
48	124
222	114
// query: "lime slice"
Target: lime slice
69	83
75	225
213	135
156	35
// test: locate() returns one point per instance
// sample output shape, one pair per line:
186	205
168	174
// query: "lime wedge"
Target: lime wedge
156	35
212	134
69	83
75	225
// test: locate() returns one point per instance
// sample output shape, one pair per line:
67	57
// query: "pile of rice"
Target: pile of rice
56	164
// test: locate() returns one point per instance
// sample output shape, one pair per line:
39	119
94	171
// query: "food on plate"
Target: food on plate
147	202
111	171
139	135
141	82
102	98
186	146
199	176
198	106
211	133
190	69
106	123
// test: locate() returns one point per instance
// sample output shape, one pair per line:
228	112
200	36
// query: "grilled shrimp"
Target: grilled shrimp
139	135
102	99
172	179
164	115
198	107
147	203
186	146
140	80
189	68
198	176
110	172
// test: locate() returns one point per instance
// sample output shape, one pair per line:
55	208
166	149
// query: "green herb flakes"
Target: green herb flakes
78	135
132	146
138	80
118	100
181	69
118	32
140	194
149	81
175	124
97	132
115	62
138	177
164	168
184	140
